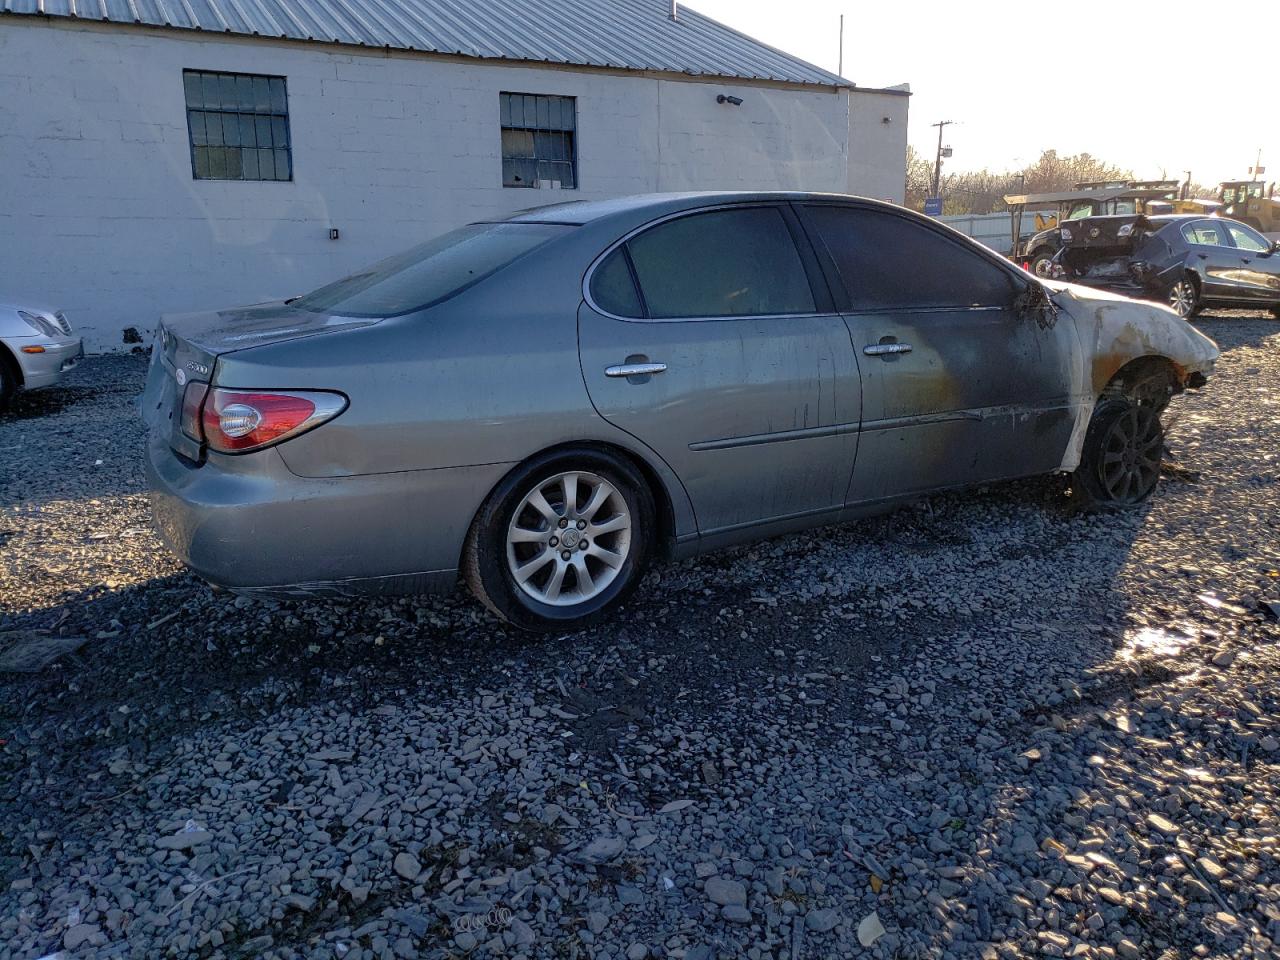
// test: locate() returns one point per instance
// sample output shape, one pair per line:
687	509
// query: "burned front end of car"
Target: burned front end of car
1122	254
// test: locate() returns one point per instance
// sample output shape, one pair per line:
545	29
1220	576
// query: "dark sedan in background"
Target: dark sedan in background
1187	261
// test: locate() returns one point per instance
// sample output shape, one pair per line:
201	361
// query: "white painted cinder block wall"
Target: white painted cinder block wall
100	214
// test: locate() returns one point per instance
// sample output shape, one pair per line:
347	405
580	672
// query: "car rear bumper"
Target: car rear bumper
45	368
248	524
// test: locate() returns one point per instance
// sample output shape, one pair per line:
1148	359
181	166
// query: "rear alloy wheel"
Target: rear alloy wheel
1185	298
561	541
1120	463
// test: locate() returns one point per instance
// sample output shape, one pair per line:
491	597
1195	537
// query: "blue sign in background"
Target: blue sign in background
933	206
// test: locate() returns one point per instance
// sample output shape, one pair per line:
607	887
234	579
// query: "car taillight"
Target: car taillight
192	401
238	421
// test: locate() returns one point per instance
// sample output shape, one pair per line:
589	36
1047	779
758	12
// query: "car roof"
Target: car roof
581	212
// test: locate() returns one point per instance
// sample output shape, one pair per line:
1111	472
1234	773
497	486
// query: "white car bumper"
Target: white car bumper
43	360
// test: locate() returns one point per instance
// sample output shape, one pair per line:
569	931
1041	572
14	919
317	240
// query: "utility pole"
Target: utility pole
937	160
840	69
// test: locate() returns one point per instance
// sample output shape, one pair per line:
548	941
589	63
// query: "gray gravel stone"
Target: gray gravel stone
976	718
722	891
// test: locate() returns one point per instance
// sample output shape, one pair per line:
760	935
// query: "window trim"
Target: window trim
822	298
573	159
191	140
1019	281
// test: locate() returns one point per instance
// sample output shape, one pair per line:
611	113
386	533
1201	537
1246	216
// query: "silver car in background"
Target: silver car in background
544	404
36	348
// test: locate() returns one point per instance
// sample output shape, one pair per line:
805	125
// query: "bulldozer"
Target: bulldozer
1251	202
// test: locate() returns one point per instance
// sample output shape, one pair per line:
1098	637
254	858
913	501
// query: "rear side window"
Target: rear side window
888	262
722	263
1203	233
613	288
431	271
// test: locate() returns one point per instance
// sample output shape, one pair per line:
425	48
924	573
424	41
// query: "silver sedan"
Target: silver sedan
544	405
36	348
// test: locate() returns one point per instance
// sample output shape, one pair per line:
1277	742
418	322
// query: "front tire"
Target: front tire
1042	263
562	541
8	379
1120	462
1184	298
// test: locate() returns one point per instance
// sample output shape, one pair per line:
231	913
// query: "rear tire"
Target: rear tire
1120	462
1184	298
562	541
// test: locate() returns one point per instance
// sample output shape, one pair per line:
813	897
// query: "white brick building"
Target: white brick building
113	135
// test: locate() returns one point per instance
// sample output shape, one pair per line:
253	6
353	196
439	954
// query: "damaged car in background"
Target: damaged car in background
1188	262
543	405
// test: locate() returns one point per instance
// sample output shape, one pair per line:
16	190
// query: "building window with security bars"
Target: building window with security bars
539	141
239	126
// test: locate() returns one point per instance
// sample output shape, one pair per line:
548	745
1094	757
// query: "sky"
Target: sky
1140	83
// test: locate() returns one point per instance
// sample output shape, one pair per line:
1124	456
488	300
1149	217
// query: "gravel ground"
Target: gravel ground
985	726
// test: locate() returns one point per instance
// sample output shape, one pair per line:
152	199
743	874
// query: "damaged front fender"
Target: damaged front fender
1113	332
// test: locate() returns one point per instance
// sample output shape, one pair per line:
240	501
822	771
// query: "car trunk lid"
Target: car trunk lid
187	348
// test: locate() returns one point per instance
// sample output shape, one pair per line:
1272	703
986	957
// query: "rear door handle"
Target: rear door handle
635	369
885	349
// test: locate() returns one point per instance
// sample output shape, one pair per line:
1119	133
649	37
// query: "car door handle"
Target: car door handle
634	369
884	349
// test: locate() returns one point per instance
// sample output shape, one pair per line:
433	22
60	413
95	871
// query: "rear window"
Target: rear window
431	271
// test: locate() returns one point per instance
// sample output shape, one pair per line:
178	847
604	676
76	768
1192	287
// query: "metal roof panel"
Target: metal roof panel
621	34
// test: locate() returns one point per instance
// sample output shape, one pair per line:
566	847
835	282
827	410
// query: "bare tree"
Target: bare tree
983	191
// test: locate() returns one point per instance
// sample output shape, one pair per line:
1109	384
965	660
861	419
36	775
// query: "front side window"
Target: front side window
431	271
539	141
888	262
1203	233
722	263
1246	238
238	124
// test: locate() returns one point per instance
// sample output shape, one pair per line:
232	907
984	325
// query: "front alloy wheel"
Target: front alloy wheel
562	540
1120	463
1183	298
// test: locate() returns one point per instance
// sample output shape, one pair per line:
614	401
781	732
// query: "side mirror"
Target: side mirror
1275	246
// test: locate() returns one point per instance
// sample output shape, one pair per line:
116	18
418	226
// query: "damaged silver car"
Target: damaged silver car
544	405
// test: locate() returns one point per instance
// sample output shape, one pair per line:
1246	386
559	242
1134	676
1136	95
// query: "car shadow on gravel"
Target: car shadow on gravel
46	402
173	640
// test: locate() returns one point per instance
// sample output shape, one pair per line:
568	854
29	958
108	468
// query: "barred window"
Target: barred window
539	147
239	126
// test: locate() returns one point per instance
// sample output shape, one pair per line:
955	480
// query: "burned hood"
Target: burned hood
216	332
1115	330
